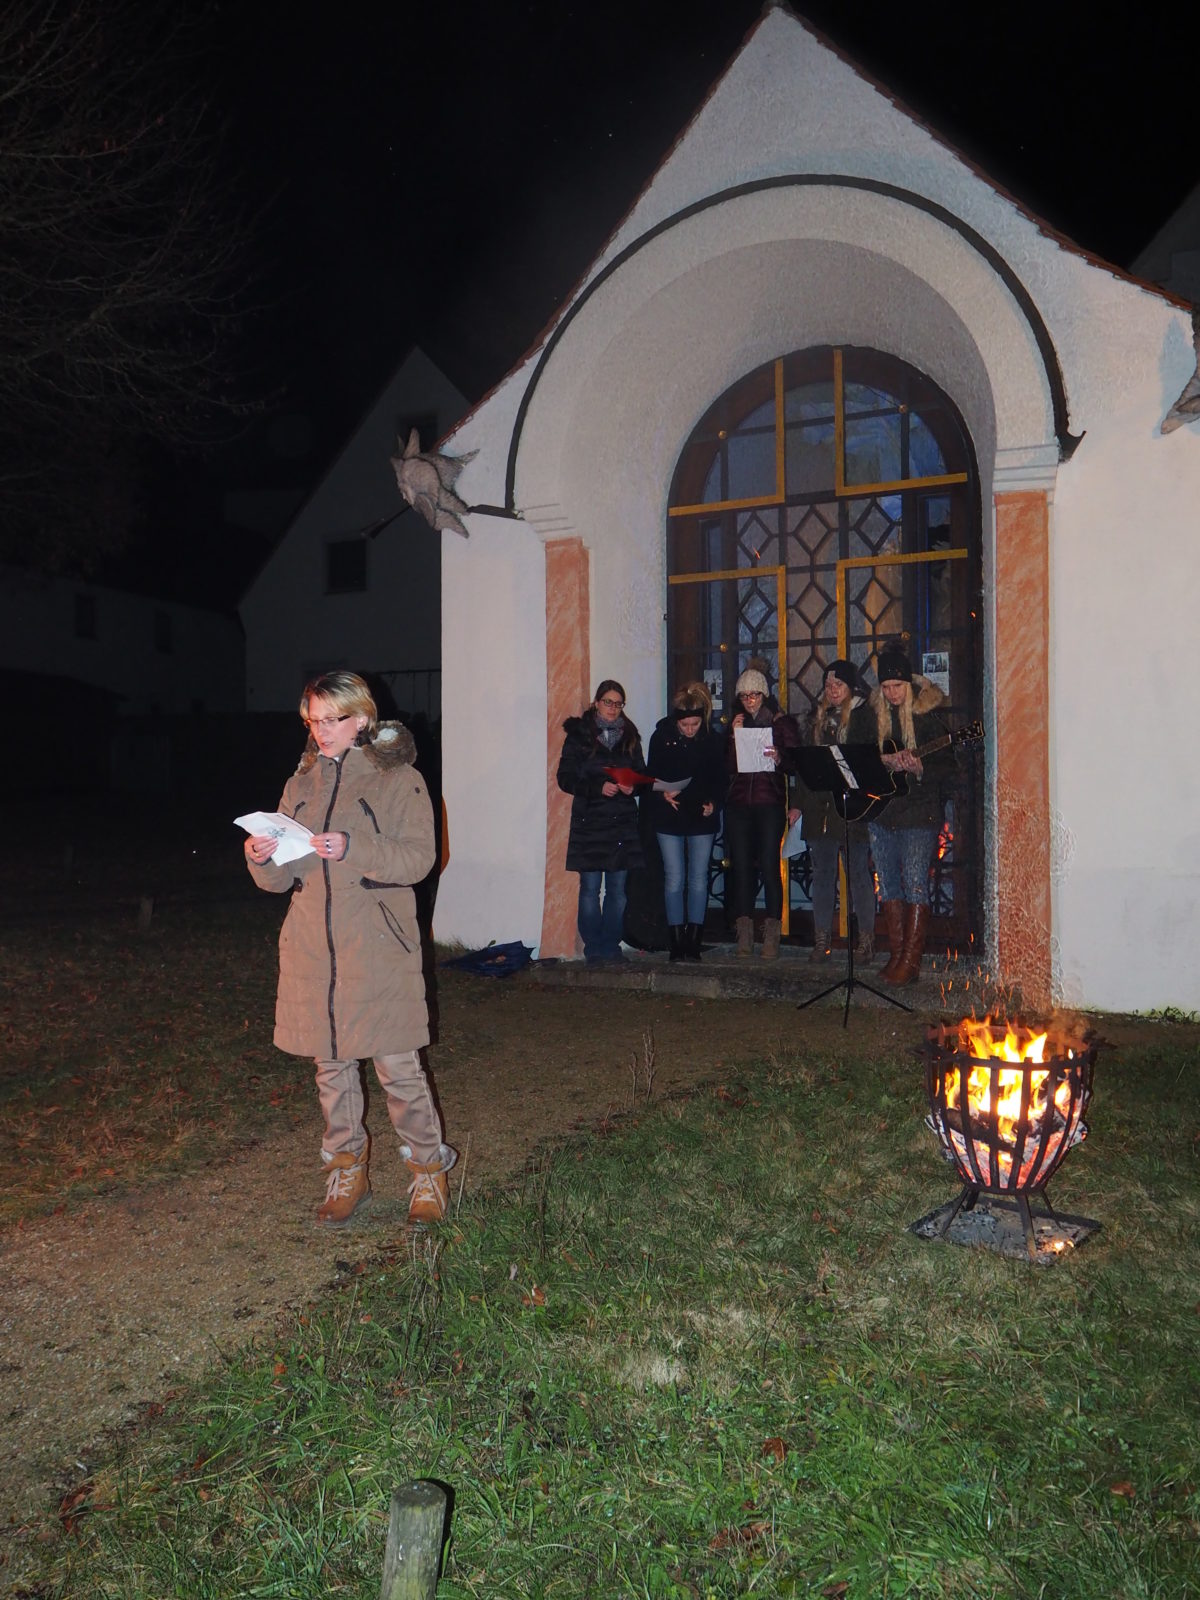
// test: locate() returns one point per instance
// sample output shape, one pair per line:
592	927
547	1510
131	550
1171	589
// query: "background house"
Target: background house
108	670
355	581
817	314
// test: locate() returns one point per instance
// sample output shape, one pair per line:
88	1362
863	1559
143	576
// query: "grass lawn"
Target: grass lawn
700	1355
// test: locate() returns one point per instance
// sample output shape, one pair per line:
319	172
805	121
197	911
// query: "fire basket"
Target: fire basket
1007	1102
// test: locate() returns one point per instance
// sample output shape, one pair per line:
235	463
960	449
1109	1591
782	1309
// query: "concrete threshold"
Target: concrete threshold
720	975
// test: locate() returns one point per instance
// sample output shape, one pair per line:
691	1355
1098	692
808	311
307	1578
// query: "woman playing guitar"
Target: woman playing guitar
905	834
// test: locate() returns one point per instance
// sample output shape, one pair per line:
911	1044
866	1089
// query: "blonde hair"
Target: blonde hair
347	693
883	718
693	700
822	709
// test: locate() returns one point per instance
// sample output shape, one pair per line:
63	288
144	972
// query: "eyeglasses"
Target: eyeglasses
326	723
613	705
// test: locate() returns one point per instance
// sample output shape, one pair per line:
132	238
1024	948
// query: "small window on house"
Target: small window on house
164	641
426	424
346	566
85	616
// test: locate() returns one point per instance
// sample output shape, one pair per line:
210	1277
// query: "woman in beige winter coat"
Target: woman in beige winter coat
350	969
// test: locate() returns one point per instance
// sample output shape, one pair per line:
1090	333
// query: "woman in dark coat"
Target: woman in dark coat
755	814
840	716
905	834
603	843
686	820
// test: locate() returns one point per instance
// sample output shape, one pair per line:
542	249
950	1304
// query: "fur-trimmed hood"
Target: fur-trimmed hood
587	728
393	746
926	696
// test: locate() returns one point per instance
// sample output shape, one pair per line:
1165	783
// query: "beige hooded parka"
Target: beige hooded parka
350	971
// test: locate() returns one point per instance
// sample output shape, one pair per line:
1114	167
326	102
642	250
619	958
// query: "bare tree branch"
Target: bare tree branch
120	262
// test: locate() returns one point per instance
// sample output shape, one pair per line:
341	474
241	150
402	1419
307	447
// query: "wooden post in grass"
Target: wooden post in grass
414	1542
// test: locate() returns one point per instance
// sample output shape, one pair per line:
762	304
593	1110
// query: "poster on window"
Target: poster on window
712	682
935	664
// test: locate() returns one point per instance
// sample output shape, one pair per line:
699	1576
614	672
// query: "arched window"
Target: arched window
825	505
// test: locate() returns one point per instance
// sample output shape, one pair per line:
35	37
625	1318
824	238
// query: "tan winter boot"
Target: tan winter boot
347	1187
864	946
821	948
771	930
429	1193
745	936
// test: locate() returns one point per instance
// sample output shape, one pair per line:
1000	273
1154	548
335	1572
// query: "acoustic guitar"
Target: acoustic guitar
858	806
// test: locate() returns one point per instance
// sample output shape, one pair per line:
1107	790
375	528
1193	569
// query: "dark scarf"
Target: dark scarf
610	734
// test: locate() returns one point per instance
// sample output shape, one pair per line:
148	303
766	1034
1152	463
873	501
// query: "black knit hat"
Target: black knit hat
846	671
892	665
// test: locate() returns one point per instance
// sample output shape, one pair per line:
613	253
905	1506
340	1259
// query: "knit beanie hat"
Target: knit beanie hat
846	671
752	682
893	665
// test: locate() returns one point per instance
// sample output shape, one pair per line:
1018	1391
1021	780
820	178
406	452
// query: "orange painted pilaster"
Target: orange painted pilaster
1022	844
568	690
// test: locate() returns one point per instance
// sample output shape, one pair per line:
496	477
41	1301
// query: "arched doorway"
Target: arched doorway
826	504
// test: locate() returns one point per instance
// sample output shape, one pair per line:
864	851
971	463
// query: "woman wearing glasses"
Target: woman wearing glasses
350	970
603	842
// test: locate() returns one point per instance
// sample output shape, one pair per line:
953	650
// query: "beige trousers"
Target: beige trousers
409	1101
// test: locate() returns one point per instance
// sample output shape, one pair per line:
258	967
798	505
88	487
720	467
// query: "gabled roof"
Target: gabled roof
785	10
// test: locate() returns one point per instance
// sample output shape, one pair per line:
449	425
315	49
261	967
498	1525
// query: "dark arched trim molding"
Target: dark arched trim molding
1067	441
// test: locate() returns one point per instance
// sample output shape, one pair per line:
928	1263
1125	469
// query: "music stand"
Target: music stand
854	774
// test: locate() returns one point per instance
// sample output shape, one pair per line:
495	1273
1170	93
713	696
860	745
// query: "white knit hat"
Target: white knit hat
752	682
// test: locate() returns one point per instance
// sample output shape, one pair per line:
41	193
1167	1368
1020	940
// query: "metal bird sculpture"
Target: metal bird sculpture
1187	407
427	482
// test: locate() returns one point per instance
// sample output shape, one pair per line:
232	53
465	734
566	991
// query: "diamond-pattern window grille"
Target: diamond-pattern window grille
915	433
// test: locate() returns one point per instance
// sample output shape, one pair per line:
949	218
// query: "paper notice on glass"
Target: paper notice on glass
793	840
295	839
750	744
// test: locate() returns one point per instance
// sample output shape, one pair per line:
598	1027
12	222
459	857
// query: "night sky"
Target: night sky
444	174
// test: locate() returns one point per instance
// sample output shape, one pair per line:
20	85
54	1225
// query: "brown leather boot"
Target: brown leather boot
347	1187
429	1193
772	927
821	947
909	965
893	916
745	936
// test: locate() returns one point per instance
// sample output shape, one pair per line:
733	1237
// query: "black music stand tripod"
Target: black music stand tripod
855	775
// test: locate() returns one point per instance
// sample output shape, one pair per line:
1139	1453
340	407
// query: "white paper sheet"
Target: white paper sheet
295	839
750	744
793	840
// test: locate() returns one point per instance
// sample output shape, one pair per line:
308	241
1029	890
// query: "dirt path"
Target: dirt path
104	1308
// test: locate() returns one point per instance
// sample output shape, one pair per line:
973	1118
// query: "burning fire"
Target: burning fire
994	1097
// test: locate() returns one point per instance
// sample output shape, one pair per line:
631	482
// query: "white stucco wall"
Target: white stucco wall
494	734
760	274
293	626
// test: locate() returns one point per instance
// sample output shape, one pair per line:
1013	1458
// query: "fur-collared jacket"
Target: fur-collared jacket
921	807
821	815
604	828
351	982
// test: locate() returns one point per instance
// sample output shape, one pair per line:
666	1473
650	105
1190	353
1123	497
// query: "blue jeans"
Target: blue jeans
697	849
601	929
903	857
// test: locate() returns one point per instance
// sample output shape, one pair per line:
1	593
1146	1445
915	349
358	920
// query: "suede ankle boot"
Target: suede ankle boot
347	1187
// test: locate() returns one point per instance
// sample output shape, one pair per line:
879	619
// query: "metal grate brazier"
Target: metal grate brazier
1007	1102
